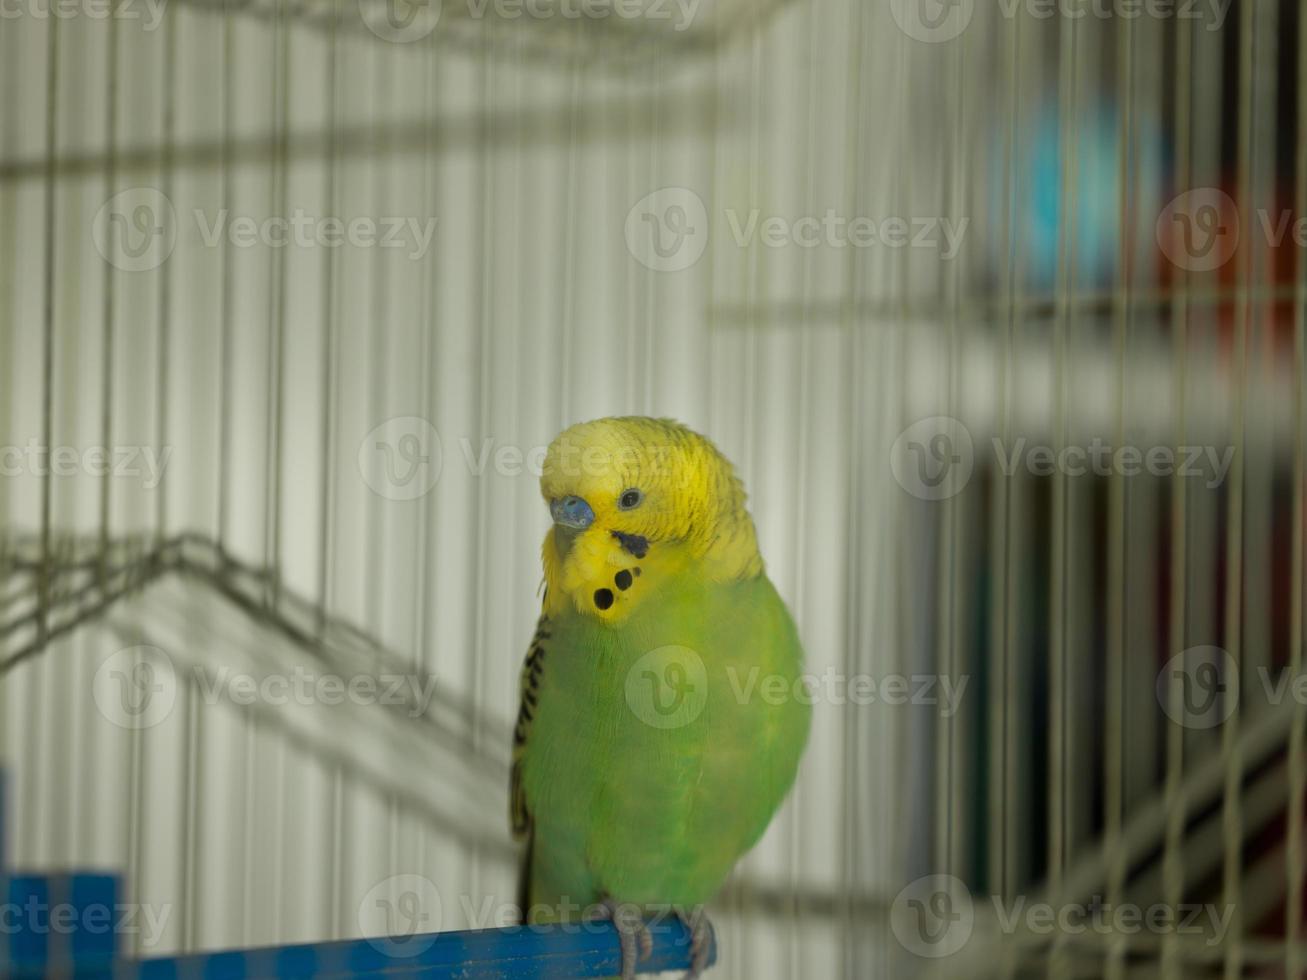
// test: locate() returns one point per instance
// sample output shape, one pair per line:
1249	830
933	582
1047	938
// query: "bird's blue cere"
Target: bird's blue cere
572	512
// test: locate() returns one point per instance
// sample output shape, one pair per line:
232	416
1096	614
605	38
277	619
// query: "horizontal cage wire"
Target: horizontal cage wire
998	310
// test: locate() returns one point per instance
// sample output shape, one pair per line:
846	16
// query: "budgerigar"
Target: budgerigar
662	718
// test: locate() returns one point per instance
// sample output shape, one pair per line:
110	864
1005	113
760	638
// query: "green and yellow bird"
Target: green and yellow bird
645	760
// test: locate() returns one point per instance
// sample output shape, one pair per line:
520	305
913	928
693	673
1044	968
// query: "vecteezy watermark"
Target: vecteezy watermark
668	230
1199	230
304	230
833	230
1207	463
400	21
305	687
667	687
144	463
933	459
568	916
137	230
149	12
1199	687
403	458
838	689
936	915
935	21
400	459
1278	684
35	916
679	14
136	688
401	914
404	21
933	916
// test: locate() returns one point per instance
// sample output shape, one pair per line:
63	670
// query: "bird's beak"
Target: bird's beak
572	512
572	515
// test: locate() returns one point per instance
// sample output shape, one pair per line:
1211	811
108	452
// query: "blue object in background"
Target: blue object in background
1095	214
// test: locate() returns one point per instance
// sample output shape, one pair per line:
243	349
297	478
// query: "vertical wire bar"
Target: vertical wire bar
1231	754
1059	741
719	67
330	373
567	257
484	316
374	515
273	460
110	289
1118	499
850	810
1173	870
227	284
107	333
1297	861
424	570
166	165
185	868
947	747
1176	801
898	284
376	402
896	294
48	353
795	836
749	367
1002	872
30	801
272	503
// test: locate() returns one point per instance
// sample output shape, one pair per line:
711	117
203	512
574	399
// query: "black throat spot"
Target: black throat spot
632	543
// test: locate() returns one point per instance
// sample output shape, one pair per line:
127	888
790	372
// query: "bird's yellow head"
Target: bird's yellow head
634	501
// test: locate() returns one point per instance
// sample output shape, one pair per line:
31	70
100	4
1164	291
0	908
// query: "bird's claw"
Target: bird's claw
701	936
628	920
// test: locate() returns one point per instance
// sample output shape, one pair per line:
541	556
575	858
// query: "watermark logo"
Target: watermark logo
148	12
667	231
136	229
400	21
305	687
35	916
401	458
933	916
835	231
932	21
933	458
667	687
943	20
1199	230
144	463
400	915
136	687
838	690
1199	687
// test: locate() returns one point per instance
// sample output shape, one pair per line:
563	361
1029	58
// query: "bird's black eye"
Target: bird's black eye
630	499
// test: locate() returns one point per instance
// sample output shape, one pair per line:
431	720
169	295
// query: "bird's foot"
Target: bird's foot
637	943
701	939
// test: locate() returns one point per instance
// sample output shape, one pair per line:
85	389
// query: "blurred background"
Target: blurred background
999	309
